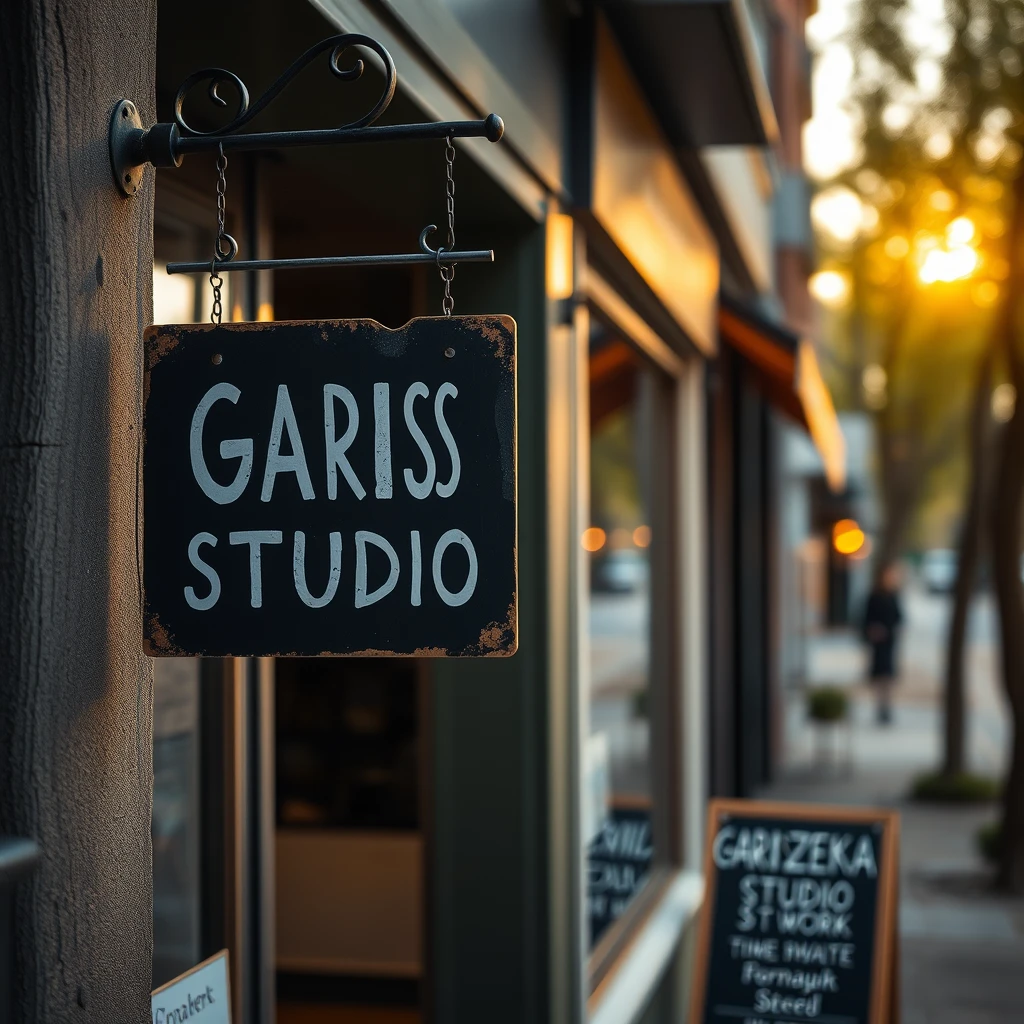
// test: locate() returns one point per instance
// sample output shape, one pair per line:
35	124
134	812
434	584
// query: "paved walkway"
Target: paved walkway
962	947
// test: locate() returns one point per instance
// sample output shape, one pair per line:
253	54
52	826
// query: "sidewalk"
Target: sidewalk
962	946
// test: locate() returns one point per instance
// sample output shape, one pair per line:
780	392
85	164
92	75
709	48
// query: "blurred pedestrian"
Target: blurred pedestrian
882	619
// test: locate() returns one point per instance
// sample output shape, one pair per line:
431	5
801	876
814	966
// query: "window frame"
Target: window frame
661	665
672	891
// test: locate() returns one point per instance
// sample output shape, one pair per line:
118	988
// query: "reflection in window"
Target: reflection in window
620	543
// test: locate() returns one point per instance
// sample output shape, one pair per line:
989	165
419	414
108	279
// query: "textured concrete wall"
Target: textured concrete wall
75	690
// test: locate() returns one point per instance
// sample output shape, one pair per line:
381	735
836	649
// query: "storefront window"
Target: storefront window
620	542
176	925
177	931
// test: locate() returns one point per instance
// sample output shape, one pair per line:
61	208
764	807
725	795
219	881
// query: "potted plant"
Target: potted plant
827	704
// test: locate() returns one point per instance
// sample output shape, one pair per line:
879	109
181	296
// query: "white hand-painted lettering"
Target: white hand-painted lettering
417	568
299	571
202	604
462	596
255	539
419	488
382	439
365	597
338	446
233	449
447	390
284	418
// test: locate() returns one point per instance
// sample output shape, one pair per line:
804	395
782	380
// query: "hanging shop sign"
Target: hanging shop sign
201	995
331	487
800	915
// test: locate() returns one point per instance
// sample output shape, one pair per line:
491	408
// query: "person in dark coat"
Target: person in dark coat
882	619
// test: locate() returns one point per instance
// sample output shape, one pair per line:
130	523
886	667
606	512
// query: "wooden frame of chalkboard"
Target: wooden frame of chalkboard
884	991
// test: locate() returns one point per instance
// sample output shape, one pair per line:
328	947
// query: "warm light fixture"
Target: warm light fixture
593	538
847	537
559	256
642	536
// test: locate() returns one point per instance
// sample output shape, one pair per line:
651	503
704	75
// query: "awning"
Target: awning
790	377
698	64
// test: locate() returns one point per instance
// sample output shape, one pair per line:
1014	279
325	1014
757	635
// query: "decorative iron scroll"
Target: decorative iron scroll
166	144
337	45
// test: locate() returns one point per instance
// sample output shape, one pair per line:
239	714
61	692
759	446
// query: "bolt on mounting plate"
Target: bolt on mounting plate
125	124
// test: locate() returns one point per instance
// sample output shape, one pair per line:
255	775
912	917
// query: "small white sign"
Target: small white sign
201	995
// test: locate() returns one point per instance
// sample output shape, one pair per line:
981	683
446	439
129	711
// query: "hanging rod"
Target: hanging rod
304	263
166	144
425	255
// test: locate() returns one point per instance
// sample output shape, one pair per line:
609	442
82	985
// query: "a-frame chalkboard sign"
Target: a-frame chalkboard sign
331	487
799	919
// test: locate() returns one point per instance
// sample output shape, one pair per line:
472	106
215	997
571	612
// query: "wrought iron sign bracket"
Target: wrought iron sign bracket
132	147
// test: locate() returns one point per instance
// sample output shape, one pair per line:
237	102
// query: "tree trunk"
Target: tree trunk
75	690
1006	548
1006	543
969	555
901	479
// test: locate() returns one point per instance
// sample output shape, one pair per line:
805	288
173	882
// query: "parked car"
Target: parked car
620	572
938	570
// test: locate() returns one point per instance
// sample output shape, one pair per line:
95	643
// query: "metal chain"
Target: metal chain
223	238
447	271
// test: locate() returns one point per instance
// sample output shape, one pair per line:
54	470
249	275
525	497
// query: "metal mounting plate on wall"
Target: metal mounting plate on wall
124	122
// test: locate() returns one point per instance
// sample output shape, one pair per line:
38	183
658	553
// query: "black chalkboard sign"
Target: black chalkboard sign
330	487
799	918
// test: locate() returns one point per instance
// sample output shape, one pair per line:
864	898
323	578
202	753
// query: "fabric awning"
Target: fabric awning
788	370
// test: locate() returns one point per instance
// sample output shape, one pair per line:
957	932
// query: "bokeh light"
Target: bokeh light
838	213
896	247
985	294
1004	400
593	538
863	551
847	537
941	263
874	381
830	288
960	231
